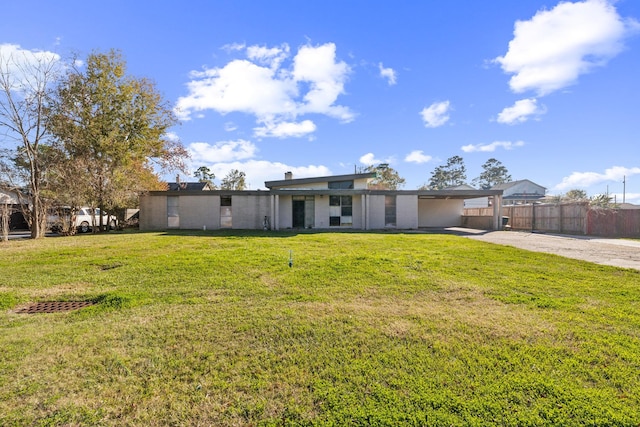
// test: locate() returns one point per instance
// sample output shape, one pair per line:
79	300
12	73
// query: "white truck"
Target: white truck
85	219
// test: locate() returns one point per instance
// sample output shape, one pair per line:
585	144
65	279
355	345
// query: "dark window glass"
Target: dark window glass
346	200
225	200
334	200
334	221
341	185
346	211
390	211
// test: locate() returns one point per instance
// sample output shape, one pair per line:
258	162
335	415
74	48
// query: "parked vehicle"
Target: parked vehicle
85	219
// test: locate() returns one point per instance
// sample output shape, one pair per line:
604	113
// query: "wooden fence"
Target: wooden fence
565	218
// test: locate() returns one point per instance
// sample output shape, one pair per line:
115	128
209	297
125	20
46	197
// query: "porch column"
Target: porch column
276	213
368	213
497	212
363	214
272	210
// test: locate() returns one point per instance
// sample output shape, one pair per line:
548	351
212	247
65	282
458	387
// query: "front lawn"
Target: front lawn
214	328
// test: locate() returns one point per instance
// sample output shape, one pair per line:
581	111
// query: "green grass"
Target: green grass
212	328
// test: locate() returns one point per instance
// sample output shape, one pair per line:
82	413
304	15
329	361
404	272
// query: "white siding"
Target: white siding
407	212
249	211
197	212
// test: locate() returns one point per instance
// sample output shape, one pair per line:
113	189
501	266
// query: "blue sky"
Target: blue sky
551	89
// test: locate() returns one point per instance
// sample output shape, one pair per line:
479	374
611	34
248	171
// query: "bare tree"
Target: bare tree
25	83
5	213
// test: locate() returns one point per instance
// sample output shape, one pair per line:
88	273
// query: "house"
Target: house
10	200
329	202
188	186
520	192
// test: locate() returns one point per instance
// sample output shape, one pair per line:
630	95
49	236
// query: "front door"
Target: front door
298	214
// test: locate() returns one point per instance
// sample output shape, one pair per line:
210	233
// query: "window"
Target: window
340	211
173	215
389	211
341	185
226	218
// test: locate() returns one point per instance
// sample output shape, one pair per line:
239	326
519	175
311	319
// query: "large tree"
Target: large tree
205	175
235	180
386	177
26	80
450	175
493	172
113	128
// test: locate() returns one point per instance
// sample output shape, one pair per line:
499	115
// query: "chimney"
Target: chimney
288	175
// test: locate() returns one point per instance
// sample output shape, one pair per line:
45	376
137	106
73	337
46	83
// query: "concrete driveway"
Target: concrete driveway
615	252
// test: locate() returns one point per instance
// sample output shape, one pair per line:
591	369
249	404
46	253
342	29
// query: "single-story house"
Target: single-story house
329	202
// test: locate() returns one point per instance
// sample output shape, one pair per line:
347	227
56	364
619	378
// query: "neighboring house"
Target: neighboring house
9	200
520	192
514	193
330	202
188	186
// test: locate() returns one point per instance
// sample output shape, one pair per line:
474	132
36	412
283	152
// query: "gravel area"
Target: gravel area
615	252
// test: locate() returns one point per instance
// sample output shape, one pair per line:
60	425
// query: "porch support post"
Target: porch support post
365	212
497	212
276	213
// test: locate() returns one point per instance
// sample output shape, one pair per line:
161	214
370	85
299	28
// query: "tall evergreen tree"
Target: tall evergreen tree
494	172
450	175
205	175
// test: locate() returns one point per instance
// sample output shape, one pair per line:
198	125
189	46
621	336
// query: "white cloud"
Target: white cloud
240	86
521	111
552	49
262	86
317	66
285	129
231	47
19	62
172	136
230	126
369	159
417	156
633	198
273	57
587	179
387	73
437	114
489	148
223	151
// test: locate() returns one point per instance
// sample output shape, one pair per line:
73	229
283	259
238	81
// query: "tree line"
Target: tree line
234	180
452	174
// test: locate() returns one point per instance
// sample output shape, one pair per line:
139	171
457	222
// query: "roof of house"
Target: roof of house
507	185
461	187
187	186
333	178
